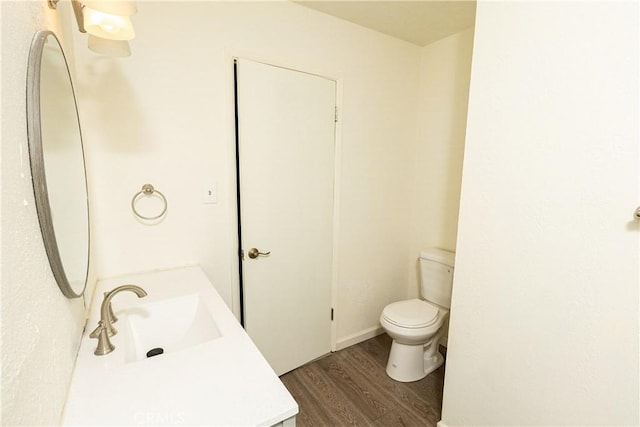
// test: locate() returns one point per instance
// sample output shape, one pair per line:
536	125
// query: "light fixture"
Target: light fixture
109	19
108	23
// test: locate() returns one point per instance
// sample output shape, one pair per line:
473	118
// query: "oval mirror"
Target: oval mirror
57	164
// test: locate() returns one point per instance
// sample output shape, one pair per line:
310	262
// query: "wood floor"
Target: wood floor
350	388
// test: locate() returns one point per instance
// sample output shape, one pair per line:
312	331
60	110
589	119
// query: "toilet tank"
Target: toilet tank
436	276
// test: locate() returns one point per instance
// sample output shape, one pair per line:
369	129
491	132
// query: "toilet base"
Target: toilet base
409	363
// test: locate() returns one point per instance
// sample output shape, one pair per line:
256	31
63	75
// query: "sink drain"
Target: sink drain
155	351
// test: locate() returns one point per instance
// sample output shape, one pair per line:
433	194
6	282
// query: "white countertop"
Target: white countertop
224	381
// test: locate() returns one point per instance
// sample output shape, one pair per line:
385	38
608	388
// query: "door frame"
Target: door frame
234	274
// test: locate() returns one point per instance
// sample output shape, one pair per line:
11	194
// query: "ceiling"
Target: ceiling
419	22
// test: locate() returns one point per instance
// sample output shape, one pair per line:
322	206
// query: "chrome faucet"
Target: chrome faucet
105	327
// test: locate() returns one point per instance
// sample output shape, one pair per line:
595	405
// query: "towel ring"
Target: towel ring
148	190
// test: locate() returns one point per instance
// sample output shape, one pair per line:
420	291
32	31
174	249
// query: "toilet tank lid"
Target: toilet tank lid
438	255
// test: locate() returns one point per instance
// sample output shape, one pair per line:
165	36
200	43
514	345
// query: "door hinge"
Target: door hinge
335	114
332	313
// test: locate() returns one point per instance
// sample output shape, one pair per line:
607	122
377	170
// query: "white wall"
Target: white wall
165	116
445	70
544	321
40	327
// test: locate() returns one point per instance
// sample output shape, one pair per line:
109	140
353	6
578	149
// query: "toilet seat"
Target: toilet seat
411	314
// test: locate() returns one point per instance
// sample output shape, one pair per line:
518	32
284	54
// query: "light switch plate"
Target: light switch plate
210	194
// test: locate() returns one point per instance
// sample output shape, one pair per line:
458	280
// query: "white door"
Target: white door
286	134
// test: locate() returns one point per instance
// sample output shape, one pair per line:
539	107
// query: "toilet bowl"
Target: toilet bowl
416	325
416	329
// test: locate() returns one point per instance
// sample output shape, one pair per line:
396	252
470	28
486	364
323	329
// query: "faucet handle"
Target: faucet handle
104	344
111	331
96	331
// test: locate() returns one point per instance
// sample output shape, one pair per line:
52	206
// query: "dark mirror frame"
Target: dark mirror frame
36	156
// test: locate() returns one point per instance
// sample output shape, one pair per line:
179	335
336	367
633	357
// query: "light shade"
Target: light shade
116	48
109	19
112	7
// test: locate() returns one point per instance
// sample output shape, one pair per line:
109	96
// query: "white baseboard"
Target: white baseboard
441	424
359	337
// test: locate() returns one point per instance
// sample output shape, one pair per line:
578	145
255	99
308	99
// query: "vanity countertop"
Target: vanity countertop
222	381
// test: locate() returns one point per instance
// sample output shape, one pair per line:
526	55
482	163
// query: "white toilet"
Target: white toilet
416	324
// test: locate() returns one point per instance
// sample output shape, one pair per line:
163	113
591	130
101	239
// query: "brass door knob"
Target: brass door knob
255	253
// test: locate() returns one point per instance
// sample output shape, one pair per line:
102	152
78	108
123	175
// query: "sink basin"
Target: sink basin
210	373
173	325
